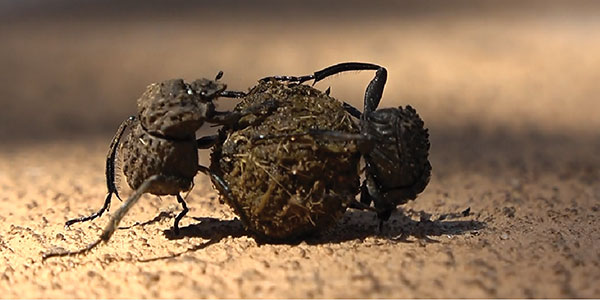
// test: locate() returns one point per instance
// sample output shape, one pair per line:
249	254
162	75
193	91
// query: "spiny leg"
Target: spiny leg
114	221
329	71
110	174
225	191
180	215
373	92
104	208
298	79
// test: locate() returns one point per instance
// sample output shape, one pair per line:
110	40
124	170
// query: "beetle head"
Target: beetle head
177	109
207	90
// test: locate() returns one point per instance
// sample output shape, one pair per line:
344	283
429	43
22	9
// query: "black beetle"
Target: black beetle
393	142
160	152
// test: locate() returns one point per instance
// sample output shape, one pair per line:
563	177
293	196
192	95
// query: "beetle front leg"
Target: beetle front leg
232	117
225	191
110	174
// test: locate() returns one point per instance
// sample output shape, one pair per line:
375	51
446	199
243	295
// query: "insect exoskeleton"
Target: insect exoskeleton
393	142
160	152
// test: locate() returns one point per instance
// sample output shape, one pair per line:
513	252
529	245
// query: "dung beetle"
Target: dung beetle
160	153
393	142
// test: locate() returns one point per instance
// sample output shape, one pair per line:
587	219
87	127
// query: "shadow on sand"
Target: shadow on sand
355	224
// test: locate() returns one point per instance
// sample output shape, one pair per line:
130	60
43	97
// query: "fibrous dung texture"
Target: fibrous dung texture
286	183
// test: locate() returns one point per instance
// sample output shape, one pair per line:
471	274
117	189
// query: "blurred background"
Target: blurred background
510	91
74	69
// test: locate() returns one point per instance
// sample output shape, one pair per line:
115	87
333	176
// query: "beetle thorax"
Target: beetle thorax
172	109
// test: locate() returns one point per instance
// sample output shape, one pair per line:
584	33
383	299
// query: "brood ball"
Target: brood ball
285	183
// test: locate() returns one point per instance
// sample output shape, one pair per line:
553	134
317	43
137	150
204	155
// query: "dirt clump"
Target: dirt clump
285	183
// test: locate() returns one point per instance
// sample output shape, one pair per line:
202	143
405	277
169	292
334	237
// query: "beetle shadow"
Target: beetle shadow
355	224
402	227
210	229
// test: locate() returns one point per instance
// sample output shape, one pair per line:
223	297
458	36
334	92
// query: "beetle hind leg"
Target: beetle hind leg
181	214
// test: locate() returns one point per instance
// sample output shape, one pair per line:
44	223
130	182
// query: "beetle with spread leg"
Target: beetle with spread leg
160	152
393	141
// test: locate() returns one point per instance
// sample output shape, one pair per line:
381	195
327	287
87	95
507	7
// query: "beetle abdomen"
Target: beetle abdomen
145	155
401	164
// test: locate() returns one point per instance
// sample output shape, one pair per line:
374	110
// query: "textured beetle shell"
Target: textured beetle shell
172	108
401	167
145	155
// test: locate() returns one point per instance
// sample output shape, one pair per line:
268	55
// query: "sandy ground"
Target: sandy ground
511	101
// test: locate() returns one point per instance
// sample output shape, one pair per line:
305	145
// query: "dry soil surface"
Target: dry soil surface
512	209
532	231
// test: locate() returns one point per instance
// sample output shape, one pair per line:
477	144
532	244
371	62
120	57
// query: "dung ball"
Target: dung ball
284	182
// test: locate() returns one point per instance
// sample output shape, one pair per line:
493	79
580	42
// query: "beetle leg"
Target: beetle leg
208	141
110	174
365	198
383	206
114	221
219	76
343	67
232	94
297	79
104	208
329	71
231	117
374	89
225	191
181	214
353	111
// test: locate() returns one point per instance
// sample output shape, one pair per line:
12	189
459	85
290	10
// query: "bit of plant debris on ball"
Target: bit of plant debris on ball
287	186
